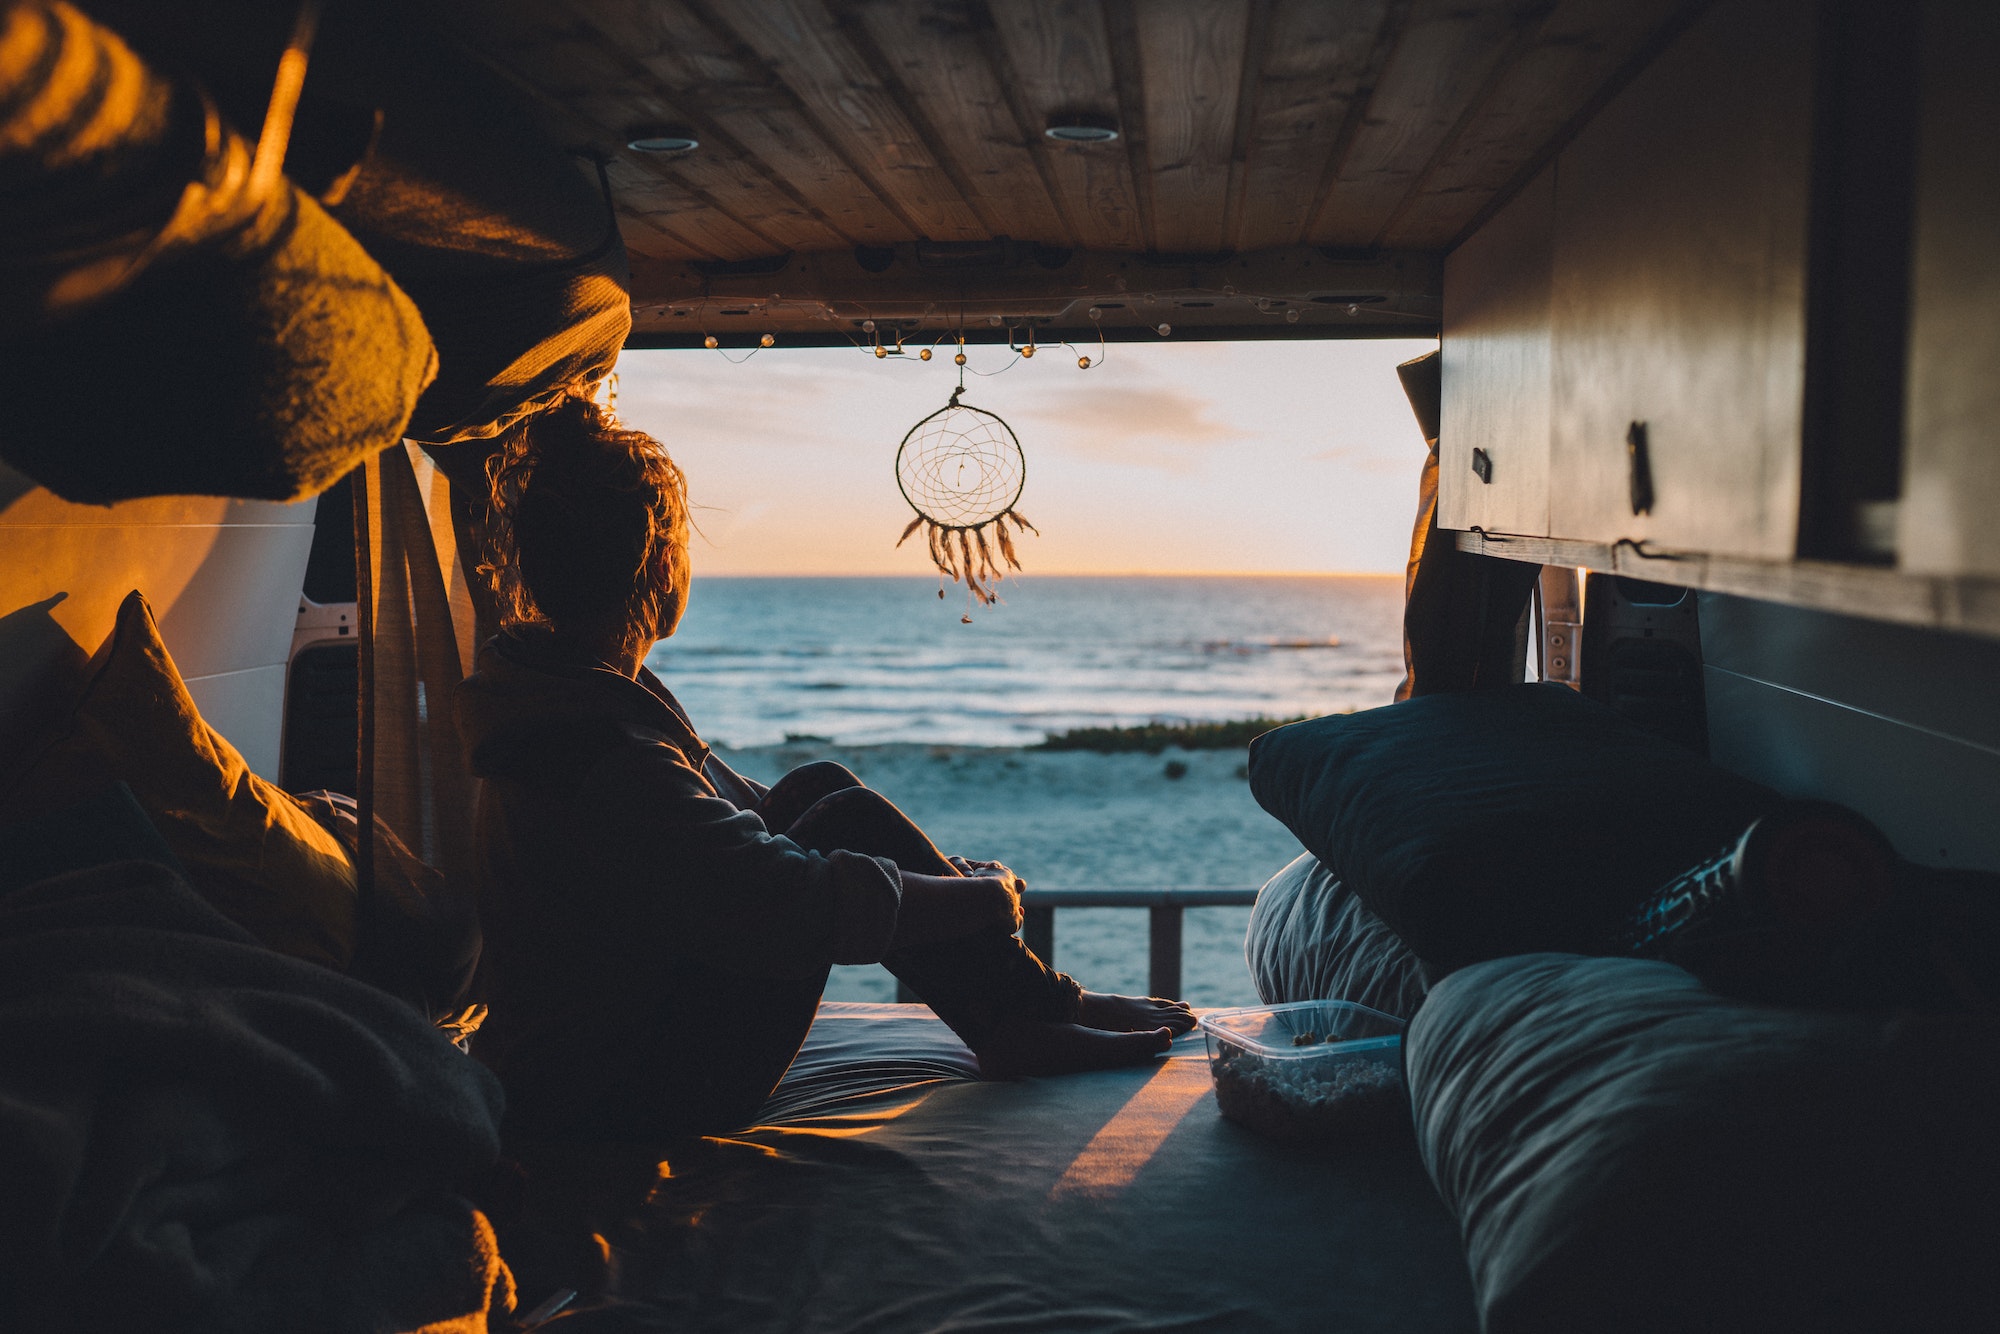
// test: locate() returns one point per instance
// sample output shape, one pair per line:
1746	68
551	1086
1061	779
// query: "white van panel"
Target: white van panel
223	577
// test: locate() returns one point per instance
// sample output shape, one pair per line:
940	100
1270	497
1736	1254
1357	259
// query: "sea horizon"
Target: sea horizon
880	659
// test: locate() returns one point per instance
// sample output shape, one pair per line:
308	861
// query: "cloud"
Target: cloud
1159	427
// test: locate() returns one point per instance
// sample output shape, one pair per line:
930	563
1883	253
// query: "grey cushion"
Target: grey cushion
1628	1151
1311	938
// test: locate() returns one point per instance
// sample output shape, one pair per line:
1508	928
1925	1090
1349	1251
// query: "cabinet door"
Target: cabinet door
1679	292
1493	450
1951	449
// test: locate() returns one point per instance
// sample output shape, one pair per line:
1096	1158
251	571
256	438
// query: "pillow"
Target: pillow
248	847
1628	1151
1501	821
1311	938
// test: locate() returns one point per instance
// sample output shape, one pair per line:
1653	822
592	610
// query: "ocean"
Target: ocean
863	661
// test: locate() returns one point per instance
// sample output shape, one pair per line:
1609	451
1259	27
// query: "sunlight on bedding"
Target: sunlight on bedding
1130	1138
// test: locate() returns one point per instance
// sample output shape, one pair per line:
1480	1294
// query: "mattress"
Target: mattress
888	1188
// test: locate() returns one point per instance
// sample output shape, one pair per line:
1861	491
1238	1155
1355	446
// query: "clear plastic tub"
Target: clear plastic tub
1308	1071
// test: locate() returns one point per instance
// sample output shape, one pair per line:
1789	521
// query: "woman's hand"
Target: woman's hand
968	867
937	907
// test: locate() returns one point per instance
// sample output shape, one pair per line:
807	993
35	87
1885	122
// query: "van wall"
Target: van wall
223	578
1900	723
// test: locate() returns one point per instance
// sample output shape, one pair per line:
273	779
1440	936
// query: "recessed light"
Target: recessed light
663	144
1082	128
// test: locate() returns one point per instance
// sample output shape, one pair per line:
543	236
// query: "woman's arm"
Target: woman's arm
743	793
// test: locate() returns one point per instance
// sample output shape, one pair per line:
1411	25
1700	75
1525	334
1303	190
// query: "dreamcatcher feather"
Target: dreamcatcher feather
962	470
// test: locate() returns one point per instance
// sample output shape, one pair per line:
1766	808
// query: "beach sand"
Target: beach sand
1077	819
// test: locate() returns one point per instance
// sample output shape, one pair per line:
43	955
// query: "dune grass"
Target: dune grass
1154	737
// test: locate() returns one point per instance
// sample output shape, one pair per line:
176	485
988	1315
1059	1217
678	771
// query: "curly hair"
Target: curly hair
590	521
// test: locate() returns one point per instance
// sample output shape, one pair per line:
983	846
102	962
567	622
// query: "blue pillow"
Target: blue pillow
1501	821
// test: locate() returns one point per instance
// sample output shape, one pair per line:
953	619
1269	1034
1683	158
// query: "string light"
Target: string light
1083	363
769	340
924	355
711	342
1164	329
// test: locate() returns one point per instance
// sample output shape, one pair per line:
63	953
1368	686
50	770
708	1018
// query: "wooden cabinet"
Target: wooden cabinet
1641	304
1493	450
1678	294
1735	262
1951	444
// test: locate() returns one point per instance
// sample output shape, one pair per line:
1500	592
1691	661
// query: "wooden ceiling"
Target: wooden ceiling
888	157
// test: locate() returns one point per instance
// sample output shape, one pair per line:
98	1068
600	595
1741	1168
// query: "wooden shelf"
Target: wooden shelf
1968	605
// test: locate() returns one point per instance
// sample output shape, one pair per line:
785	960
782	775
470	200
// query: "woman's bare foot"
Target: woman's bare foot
1132	1014
1038	1047
1109	1031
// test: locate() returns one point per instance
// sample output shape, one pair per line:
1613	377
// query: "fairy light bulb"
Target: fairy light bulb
1028	351
1291	317
867	326
710	341
1163	330
924	355
960	358
767	340
1083	363
880	351
1094	313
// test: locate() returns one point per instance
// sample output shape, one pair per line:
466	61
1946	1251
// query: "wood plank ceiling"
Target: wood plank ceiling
1302	158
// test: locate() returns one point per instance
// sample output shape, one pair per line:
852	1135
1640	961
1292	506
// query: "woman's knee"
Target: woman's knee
859	819
803	788
823	776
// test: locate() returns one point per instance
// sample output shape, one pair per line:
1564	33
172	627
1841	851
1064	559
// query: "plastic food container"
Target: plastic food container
1308	1070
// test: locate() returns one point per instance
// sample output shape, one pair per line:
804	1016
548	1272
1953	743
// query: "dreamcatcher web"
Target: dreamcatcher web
962	470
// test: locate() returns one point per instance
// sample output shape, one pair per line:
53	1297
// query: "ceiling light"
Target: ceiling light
1082	128
663	143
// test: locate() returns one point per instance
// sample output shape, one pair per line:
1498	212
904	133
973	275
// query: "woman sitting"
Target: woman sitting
658	928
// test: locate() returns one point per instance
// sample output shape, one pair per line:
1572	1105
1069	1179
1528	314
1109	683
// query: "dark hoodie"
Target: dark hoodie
619	883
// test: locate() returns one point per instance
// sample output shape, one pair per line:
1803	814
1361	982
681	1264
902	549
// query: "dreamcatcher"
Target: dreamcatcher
962	470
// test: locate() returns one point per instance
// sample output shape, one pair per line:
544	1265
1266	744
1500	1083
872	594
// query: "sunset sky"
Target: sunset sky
1169	457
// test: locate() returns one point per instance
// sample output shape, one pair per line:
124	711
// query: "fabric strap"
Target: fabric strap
418	635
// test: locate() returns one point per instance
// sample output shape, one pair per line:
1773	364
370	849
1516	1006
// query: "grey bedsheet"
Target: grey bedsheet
889	1190
1630	1152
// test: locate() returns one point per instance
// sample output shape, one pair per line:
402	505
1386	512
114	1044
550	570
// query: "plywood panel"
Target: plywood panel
596	93
1496	370
1058	55
1442	60
744	111
1191	55
849	102
1580	46
1679	276
942	58
1951	452
1308	75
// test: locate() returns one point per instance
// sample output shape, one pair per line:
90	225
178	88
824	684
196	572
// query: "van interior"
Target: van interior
1705	434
